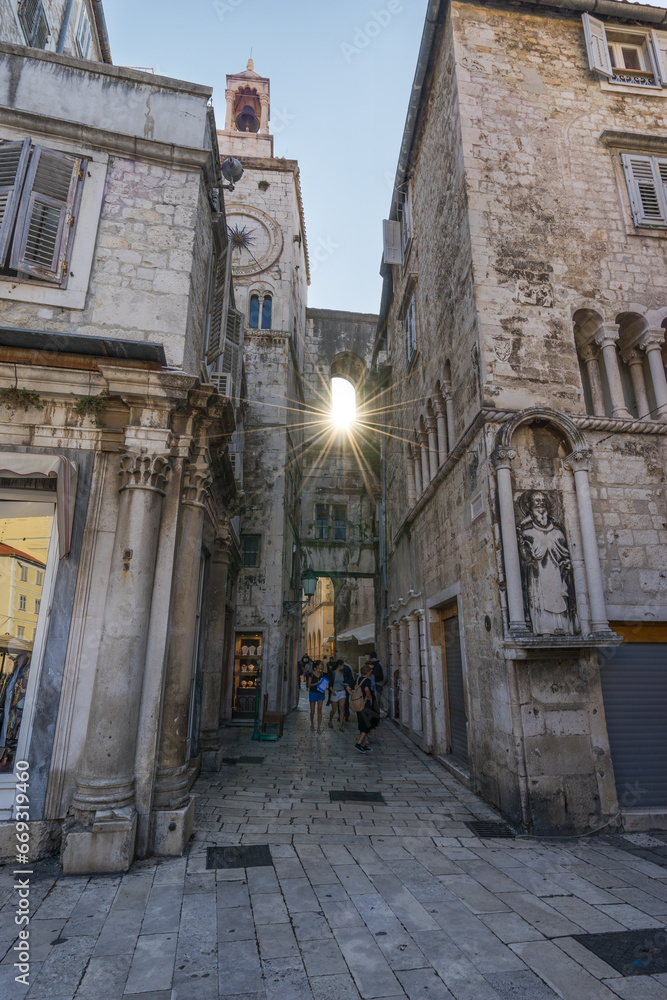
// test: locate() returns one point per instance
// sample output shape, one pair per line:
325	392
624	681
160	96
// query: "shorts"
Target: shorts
338	695
316	696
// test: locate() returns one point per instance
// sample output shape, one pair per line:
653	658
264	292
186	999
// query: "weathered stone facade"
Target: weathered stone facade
520	267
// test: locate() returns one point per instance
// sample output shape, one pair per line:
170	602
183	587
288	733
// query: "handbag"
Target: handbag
323	685
357	699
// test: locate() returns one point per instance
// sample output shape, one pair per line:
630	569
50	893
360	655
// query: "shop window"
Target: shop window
266	312
250	546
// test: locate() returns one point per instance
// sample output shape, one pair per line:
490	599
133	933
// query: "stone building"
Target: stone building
75	28
117	328
523	316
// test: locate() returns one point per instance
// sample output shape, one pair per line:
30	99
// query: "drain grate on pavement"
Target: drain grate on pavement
632	953
485	828
346	796
251	856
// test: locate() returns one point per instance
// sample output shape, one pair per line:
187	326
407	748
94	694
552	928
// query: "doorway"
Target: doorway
454	683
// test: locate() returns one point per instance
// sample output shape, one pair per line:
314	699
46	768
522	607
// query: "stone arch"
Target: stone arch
544	414
349	366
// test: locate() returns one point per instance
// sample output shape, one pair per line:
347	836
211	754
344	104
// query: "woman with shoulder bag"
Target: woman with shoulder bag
362	696
317	685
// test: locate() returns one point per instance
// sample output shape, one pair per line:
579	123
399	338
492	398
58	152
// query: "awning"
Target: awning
363	634
48	465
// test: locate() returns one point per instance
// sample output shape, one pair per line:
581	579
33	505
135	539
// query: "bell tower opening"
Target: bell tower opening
246	131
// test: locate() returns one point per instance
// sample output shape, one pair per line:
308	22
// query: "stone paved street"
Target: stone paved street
363	900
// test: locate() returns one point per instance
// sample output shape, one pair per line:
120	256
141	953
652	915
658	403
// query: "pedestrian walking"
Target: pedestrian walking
380	677
316	694
367	714
301	667
340	689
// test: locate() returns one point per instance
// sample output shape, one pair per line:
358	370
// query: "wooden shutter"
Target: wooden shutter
659	53
406	222
232	341
646	177
83	36
411	329
596	45
45	223
13	166
218	304
391	233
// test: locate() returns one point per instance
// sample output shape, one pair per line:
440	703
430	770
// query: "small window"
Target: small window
266	313
23	602
39	577
253	316
339	524
84	36
23	575
411	329
625	56
37	604
646	178
20	631
250	544
34	23
321	521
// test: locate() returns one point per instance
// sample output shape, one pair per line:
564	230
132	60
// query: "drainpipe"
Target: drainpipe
63	29
102	34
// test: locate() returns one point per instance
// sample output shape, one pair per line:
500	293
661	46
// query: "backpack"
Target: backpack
357	699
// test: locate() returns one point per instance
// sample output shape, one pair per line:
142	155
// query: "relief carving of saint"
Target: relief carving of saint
547	567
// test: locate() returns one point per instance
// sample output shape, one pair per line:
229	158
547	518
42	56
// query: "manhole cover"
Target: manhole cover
484	828
356	797
251	760
252	856
632	953
230	760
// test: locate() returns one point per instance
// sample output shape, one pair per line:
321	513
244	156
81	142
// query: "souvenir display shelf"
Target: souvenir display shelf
247	675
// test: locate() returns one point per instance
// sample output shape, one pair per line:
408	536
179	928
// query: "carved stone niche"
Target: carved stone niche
551	563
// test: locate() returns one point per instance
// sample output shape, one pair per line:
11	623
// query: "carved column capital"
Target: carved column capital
423	439
197	483
431	425
502	458
141	471
652	340
439	406
631	356
607	335
264	100
589	352
580	460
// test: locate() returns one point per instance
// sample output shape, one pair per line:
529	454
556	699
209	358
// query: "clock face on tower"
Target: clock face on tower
256	240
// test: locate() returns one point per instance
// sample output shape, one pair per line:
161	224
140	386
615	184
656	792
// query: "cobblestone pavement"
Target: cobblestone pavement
362	900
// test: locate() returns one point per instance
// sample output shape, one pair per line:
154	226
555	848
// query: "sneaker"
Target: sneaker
368	749
358	746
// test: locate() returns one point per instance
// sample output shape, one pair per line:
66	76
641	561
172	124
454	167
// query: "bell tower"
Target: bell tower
246	131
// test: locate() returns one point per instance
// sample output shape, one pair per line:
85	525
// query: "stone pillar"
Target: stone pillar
416	465
214	652
415	674
423	440
580	463
502	459
449	407
412	486
652	342
633	360
264	116
230	125
425	678
173	806
102	833
394	664
431	429
589	355
404	652
441	419
607	339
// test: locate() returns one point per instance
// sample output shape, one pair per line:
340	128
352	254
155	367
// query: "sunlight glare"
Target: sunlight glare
343	403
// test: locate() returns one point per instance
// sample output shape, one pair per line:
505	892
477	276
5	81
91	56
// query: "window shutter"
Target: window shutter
646	179
411	329
391	233
232	341
220	292
596	45
83	36
13	166
46	215
406	222
659	53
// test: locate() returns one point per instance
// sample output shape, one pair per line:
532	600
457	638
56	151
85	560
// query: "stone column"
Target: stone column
416	465
415	674
424	661
214	652
394	664
580	463
404	652
502	459
431	429
652	342
633	360
102	833
264	116
229	111
441	419
423	440
607	339
412	486
173	806
589	355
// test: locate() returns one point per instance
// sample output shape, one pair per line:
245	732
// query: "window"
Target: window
20	631
23	602
646	177
40	191
84	36
321	521
411	329
406	224
39	577
253	317
626	56
34	23
23	576
339	524
37	604
250	546
266	313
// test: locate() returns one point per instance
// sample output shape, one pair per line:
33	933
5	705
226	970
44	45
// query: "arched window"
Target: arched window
253	318
343	403
266	313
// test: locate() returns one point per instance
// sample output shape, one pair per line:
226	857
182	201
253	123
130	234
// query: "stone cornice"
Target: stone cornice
635	141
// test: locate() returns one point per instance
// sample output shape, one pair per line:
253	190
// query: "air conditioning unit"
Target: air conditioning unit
223	383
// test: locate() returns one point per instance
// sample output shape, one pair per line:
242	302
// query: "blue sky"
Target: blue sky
340	82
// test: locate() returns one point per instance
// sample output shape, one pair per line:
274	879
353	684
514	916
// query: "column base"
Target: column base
107	847
172	829
211	759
